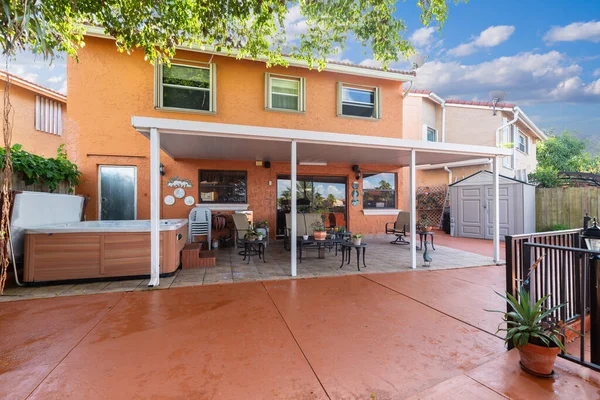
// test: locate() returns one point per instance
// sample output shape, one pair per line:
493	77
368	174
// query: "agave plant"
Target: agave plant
529	323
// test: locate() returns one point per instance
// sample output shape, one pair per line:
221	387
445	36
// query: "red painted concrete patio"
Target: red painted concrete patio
421	335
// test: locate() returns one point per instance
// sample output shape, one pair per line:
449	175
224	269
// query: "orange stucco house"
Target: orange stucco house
240	135
38	115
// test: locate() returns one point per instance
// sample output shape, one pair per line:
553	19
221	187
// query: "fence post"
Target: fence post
594	309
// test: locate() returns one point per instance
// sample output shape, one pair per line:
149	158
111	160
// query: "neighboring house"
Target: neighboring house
38	115
430	118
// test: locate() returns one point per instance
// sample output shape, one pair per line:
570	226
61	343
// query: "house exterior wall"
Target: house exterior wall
412	119
24	132
106	88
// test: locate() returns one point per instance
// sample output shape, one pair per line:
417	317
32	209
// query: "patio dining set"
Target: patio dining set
314	236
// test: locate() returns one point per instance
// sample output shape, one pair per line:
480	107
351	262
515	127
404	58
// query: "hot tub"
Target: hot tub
100	249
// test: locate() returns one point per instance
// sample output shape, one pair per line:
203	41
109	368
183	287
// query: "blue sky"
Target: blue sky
545	54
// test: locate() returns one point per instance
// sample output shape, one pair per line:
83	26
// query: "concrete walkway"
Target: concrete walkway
384	336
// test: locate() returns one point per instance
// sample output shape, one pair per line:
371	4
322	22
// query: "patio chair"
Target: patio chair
300	228
398	228
309	220
241	228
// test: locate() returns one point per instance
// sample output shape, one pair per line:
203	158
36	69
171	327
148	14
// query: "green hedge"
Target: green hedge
46	171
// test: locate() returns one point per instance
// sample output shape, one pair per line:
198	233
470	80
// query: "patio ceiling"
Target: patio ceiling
205	140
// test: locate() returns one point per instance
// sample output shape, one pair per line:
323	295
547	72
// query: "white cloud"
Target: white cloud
491	37
596	72
294	24
369	62
589	31
422	37
35	69
528	77
56	79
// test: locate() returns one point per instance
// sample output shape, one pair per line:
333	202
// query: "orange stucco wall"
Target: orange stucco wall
24	132
107	88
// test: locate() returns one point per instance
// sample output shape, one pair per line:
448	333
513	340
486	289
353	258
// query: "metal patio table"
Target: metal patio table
254	248
347	248
321	245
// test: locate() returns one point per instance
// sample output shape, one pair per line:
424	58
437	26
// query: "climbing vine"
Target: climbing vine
46	171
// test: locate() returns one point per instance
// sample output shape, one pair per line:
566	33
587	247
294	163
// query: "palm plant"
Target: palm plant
529	323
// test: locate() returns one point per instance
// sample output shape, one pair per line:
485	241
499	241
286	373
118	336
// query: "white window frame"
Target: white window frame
377	99
435	134
525	143
269	95
158	87
509	161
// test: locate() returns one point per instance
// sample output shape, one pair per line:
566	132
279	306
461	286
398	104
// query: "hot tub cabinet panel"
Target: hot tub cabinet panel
55	256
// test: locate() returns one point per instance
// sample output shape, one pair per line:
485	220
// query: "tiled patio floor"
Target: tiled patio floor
381	336
381	257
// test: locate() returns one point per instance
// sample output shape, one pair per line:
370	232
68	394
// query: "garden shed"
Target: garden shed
471	202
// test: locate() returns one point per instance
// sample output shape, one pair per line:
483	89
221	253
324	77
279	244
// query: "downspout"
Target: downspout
516	114
407	90
449	171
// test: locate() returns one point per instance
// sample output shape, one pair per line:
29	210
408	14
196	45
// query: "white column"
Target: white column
413	210
154	207
496	209
294	212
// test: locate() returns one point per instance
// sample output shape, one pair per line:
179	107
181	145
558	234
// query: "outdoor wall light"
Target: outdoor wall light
161	169
357	171
591	236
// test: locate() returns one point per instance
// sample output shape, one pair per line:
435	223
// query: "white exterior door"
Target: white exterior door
506	210
471	211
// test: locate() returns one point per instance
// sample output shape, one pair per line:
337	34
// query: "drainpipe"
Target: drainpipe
408	90
449	171
516	114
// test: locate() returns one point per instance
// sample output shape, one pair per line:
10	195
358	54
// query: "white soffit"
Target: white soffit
206	140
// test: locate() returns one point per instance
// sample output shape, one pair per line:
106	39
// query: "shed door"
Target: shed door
506	210
471	211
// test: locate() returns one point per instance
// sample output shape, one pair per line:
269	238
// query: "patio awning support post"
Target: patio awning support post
496	209
413	210
154	207
294	211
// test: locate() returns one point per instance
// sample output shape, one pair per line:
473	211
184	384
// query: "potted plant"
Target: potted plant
424	223
357	239
319	230
251	234
260	227
533	331
305	237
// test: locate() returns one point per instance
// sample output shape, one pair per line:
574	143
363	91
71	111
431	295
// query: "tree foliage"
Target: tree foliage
253	28
562	153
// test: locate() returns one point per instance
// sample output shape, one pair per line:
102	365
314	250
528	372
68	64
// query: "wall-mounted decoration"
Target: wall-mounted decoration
179	182
179	193
189	201
354	193
169	200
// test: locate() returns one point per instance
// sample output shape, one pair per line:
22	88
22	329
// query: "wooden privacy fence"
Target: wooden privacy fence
565	206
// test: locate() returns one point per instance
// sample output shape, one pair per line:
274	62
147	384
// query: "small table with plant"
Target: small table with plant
319	244
424	229
355	243
254	247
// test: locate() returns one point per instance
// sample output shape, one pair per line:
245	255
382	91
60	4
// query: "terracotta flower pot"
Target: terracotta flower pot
320	235
538	359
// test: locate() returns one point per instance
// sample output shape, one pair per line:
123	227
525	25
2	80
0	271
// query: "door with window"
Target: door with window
324	194
117	192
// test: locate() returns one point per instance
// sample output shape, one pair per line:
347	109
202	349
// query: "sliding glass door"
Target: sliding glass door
324	194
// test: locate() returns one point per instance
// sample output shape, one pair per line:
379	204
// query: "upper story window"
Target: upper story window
48	115
186	87
379	190
222	186
432	135
285	93
523	143
358	101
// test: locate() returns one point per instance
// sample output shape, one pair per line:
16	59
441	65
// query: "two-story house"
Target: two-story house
38	115
238	136
428	117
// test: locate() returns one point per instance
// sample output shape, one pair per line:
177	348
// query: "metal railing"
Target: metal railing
565	272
